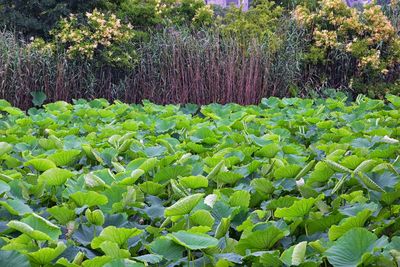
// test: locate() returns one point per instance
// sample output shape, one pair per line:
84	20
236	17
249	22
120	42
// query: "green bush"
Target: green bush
363	42
100	38
38	17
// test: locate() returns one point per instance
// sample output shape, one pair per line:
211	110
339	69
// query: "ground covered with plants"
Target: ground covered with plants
288	182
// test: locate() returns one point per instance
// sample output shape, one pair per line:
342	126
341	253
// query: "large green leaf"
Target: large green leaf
193	241
194	182
13	259
167	248
260	239
89	199
64	157
44	256
346	224
298	209
349	250
55	176
184	206
5	148
36	227
118	235
40	164
289	171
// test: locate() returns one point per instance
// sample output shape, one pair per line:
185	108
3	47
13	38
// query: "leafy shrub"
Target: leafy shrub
102	38
38	17
258	22
366	37
184	13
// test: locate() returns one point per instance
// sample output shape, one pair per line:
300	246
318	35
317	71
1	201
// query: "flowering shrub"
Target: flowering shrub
366	36
99	37
184	12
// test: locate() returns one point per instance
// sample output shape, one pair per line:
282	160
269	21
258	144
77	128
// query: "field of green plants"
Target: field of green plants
290	182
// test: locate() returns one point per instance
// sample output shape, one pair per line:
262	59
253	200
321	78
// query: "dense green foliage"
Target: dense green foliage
287	182
315	45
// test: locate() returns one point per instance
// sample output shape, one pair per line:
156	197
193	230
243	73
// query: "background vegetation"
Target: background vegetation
188	51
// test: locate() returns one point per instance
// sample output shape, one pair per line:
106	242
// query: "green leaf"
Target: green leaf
89	199
298	209
16	206
62	214
45	256
149	258
38	98
55	176
349	250
5	148
240	198
36	227
346	224
227	177
40	164
193	241
114	234
194	182
268	151
151	188
13	259
64	157
288	171
4	187
222	227
171	172
133	177
215	170
260	239
202	217
167	248
184	205
112	249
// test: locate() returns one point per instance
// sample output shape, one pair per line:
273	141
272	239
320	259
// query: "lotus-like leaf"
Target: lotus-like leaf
167	248
89	199
112	249
298	209
36	227
346	224
62	214
193	241
16	206
184	205
240	198
260	239
194	182
45	256
202	217
40	164
114	234
348	251
55	176
288	171
13	259
5	148
64	157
